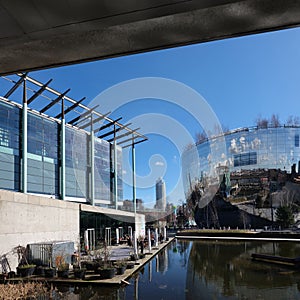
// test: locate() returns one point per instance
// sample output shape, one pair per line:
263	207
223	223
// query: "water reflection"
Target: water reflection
208	270
225	270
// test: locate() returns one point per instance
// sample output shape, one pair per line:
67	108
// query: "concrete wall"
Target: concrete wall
27	219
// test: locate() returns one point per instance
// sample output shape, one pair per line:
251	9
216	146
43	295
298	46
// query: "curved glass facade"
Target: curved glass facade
242	149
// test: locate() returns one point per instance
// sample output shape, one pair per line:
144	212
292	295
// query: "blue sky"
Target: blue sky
239	78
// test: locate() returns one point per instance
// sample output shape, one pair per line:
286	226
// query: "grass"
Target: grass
23	290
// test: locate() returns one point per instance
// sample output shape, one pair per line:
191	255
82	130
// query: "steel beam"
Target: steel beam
109	124
39	92
72	122
123	135
70	108
16	85
24	139
92	154
62	154
60	97
115	170
93	121
111	132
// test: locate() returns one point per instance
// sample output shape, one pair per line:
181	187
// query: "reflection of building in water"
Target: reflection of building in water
224	269
162	261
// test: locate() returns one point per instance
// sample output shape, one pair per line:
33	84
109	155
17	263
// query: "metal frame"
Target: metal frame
85	118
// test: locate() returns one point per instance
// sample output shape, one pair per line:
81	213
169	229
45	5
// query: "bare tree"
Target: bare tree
200	137
275	121
261	122
293	121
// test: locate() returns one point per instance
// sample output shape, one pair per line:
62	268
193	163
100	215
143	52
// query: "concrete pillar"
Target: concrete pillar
149	240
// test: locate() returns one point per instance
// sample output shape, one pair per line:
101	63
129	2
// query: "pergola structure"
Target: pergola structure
83	118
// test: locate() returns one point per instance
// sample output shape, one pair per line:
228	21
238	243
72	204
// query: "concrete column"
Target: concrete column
24	140
149	240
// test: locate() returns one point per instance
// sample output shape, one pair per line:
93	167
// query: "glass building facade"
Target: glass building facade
44	159
242	149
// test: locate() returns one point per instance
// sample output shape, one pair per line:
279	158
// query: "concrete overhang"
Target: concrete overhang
120	215
40	34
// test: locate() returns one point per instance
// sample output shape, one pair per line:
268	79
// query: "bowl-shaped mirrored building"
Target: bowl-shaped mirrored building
248	165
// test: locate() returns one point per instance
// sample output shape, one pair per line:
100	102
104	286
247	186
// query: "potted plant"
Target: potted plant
49	271
24	269
120	267
106	270
79	271
62	266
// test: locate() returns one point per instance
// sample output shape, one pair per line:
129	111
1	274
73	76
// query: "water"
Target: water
207	270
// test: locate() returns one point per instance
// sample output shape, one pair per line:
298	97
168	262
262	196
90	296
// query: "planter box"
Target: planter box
25	271
107	273
79	273
120	270
49	272
63	273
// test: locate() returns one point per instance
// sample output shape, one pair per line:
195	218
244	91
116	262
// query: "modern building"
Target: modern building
60	167
44	163
253	169
161	198
242	149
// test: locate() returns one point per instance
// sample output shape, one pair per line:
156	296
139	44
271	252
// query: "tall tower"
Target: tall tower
161	199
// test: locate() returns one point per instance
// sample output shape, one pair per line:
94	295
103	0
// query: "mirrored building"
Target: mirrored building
254	169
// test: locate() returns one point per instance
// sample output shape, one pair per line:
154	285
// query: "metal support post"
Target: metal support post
24	139
62	154
92	153
133	182
115	170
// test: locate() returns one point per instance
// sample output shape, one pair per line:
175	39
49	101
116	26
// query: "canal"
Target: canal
206	270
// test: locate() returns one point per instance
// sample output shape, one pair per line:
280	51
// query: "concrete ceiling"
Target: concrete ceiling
37	34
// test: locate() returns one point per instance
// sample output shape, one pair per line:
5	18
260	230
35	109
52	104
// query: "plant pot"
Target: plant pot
107	273
130	265
3	278
40	270
90	265
63	273
120	270
133	257
26	270
79	273
49	272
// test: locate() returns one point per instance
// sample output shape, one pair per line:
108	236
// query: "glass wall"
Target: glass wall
264	148
102	170
119	173
42	160
76	163
43	157
9	147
